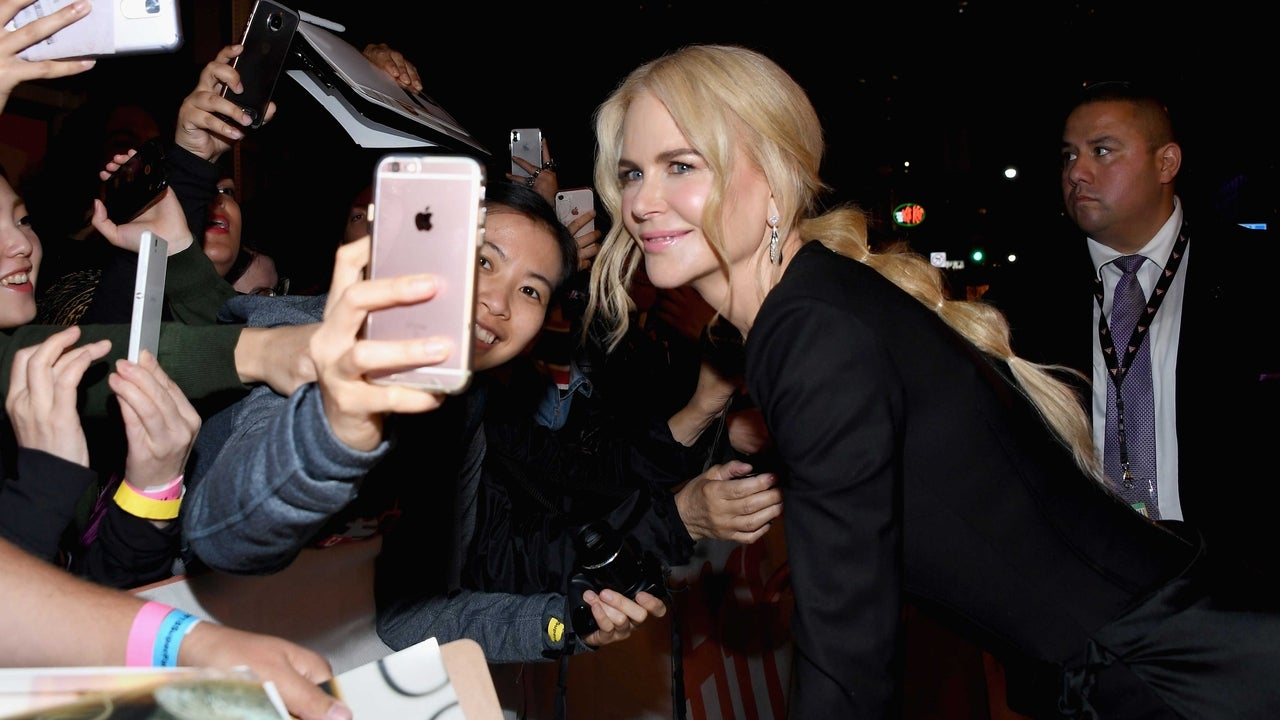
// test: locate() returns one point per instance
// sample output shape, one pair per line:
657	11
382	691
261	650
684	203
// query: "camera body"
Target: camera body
608	559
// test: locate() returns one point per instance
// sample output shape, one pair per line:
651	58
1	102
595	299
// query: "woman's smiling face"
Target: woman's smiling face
520	264
20	254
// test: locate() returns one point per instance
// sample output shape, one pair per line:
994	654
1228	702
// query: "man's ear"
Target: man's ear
1170	161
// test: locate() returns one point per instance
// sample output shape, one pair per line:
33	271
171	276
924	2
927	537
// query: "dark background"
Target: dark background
958	89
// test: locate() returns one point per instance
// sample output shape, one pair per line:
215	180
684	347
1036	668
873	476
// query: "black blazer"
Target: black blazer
1228	370
915	470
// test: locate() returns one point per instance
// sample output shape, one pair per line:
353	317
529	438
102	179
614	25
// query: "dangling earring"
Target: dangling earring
773	239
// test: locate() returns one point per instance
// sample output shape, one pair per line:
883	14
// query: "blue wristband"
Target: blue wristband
173	629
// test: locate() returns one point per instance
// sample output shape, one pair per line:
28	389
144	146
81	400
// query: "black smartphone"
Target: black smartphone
137	184
267	38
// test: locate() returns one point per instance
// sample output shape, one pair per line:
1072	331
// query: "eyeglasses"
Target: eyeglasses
280	288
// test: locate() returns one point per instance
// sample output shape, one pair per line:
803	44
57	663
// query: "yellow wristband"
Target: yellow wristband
138	505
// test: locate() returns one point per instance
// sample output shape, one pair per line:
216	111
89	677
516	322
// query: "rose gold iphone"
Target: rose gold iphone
428	217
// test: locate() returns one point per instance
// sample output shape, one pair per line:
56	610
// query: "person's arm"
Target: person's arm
290	464
193	289
275	481
195	181
137	538
53	618
39	503
708	402
201	359
830	393
512	628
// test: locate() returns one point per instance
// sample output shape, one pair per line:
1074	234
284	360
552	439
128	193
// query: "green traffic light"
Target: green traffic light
977	256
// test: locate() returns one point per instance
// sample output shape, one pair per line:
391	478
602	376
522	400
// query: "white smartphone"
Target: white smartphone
428	217
113	27
148	295
572	202
526	144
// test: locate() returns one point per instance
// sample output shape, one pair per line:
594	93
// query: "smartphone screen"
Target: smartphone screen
267	39
428	218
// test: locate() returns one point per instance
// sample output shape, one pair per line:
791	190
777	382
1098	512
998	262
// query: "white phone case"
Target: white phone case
148	295
113	27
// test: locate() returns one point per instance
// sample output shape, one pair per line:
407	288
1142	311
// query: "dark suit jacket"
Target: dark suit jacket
1228	370
917	471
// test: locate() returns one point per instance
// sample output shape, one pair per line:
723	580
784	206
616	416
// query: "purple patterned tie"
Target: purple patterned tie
1139	416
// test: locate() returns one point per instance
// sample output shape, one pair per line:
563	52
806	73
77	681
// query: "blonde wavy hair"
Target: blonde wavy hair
726	98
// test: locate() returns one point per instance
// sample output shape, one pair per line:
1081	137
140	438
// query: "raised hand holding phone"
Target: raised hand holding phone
354	406
428	218
163	216
526	145
119	27
136	184
15	69
268	36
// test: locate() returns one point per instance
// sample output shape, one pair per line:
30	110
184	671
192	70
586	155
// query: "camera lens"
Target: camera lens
275	21
611	562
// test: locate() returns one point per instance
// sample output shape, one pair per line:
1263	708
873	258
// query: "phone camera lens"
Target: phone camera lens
395	167
275	21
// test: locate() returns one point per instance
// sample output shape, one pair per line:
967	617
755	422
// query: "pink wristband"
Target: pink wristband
142	636
172	490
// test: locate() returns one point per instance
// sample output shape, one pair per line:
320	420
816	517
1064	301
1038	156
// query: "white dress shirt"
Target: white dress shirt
1163	341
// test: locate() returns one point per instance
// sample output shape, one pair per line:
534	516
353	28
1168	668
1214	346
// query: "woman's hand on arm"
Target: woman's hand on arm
727	502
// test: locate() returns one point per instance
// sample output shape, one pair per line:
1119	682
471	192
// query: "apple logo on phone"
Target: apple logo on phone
423	219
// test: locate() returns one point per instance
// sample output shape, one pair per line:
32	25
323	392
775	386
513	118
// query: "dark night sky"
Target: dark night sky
960	89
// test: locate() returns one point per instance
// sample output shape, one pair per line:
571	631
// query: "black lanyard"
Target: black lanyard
1118	367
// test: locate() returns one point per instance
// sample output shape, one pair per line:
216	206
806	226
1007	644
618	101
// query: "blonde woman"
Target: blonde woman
925	461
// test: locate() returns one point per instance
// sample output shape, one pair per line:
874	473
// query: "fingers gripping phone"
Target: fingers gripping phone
137	184
119	27
267	38
428	217
526	144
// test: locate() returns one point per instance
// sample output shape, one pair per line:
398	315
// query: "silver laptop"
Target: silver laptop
377	97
